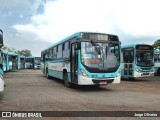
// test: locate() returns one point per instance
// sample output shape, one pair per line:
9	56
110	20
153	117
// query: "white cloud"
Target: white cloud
21	7
64	17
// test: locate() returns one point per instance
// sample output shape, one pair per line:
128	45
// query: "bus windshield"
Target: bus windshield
144	58
31	60
98	56
37	60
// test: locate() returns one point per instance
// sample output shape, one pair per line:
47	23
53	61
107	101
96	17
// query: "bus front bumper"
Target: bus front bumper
97	81
143	74
2	84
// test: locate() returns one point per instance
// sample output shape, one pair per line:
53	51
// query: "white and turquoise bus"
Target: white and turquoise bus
21	62
33	62
157	62
137	61
4	62
29	62
2	83
37	63
84	58
13	61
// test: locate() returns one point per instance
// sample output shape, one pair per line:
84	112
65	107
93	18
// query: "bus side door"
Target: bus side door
128	55
74	63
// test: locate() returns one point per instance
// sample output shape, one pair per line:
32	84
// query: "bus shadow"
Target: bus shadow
82	88
59	81
90	88
135	80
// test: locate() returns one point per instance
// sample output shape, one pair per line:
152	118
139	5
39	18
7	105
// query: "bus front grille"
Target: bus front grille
96	81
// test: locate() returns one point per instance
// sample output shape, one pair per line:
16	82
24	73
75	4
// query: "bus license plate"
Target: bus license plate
103	83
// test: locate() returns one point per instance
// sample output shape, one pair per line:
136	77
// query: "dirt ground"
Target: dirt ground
30	90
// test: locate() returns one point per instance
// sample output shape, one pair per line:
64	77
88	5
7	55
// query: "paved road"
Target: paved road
29	90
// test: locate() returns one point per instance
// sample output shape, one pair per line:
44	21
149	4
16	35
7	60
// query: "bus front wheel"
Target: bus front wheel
66	82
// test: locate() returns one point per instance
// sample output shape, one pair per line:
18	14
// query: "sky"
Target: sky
37	24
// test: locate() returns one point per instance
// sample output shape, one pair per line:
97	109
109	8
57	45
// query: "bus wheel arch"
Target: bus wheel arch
65	78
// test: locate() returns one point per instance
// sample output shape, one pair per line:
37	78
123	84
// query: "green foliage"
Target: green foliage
157	44
9	49
24	52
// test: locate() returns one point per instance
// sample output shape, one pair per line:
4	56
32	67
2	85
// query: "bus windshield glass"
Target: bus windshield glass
30	60
37	60
144	58
144	55
98	56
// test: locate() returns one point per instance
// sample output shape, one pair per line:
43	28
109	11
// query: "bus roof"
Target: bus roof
13	54
22	56
3	51
30	57
132	45
77	34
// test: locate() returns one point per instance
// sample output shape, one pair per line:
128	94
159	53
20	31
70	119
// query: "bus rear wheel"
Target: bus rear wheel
66	82
158	72
47	75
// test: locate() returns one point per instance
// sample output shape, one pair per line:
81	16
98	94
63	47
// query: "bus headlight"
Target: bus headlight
118	74
153	70
138	70
84	73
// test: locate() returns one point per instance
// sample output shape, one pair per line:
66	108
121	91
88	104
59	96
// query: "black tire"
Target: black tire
66	82
158	72
47	75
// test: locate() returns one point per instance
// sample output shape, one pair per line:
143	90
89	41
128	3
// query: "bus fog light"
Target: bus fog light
84	73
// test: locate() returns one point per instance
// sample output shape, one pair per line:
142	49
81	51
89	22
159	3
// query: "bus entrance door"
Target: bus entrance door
128	69
74	63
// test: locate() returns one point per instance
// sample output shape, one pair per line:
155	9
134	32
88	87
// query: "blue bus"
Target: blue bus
84	58
13	61
37	63
29	62
2	83
33	62
137	61
157	61
4	62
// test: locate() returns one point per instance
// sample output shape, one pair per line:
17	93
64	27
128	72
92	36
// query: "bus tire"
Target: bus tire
47	75
158	72
66	82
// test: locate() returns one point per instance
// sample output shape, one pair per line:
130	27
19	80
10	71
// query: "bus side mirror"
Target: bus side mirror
78	45
1	38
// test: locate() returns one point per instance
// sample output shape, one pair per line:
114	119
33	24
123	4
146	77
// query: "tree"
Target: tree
9	49
24	52
156	44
